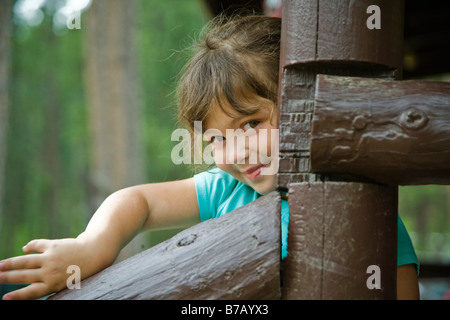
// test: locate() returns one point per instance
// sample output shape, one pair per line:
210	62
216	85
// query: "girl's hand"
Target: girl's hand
46	271
121	217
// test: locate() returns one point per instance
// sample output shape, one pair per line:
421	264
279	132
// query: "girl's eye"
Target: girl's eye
251	124
216	139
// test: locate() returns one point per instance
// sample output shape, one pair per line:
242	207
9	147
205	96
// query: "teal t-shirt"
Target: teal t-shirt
219	193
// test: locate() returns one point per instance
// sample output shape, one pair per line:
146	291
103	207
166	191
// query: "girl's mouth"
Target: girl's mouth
255	172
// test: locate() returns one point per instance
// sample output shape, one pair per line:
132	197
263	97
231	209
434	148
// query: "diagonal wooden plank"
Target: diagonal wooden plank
236	256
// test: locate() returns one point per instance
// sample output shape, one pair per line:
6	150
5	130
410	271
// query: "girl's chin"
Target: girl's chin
264	186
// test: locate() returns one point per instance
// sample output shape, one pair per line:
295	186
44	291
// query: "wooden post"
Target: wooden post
334	237
340	225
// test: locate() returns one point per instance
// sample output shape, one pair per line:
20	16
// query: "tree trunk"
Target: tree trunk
5	80
114	111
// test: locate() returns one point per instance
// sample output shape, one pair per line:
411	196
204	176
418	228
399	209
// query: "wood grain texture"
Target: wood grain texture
337	230
328	37
236	256
324	31
382	47
394	132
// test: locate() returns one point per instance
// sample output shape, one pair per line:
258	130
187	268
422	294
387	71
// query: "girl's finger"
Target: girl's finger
21	276
39	245
33	291
30	261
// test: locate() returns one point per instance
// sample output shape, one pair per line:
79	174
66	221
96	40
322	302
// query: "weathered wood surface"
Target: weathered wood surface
394	132
236	256
328	37
315	29
332	243
331	37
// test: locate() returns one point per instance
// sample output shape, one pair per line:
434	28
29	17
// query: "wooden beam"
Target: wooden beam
236	256
394	132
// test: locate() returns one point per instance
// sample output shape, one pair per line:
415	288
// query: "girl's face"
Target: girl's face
245	146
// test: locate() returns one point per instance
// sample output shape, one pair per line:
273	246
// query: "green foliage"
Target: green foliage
425	210
47	149
47	189
165	29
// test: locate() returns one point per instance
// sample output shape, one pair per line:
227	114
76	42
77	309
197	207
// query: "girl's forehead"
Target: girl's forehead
223	116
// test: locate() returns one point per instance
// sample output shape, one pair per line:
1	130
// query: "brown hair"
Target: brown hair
235	62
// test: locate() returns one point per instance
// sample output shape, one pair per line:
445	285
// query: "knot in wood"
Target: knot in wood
187	240
414	119
359	122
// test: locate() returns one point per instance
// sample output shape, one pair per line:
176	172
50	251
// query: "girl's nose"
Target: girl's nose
242	154
239	149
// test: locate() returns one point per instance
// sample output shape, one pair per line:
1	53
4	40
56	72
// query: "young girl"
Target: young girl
230	83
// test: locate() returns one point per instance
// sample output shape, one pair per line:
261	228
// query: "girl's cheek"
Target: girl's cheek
220	160
219	156
266	141
274	143
222	164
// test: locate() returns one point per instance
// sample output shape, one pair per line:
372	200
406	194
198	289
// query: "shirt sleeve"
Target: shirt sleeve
405	249
284	228
213	187
202	197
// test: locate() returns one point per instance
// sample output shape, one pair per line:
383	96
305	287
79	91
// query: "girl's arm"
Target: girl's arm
122	216
140	208
407	283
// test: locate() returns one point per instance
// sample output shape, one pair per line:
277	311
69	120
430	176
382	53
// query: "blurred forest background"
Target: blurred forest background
87	111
